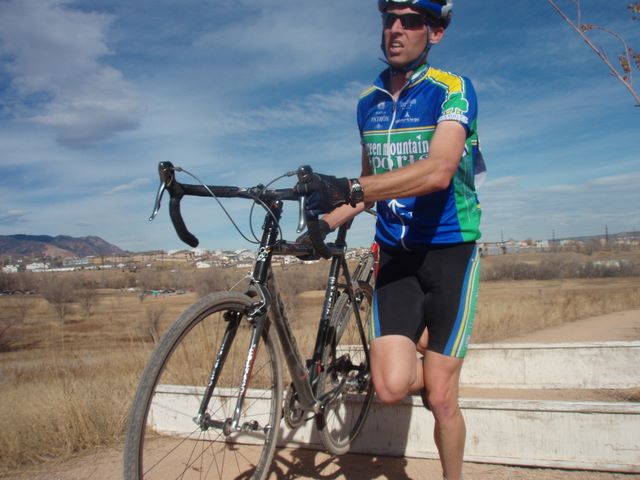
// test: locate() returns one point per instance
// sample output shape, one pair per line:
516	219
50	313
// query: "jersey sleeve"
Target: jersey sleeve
460	104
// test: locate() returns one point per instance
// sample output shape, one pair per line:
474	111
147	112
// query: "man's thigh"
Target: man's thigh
393	365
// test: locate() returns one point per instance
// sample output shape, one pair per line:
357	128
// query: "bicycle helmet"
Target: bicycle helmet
438	10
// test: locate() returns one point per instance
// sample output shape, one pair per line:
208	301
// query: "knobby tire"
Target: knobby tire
164	442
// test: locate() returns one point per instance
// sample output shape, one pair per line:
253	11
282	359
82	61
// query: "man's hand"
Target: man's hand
305	239
324	193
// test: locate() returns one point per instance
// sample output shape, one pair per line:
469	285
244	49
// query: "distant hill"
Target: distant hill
612	237
44	246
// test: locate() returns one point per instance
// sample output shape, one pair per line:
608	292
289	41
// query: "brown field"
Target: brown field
66	385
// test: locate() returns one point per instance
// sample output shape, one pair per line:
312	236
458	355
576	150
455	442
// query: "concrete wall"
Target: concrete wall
562	365
584	435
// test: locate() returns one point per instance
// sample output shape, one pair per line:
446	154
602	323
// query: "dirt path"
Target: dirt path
106	464
603	328
311	465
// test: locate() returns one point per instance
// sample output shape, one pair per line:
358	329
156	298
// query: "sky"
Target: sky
94	93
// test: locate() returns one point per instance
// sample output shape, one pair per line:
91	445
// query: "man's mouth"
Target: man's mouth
395	46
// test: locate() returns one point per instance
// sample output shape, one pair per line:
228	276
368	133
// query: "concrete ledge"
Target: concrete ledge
603	365
582	435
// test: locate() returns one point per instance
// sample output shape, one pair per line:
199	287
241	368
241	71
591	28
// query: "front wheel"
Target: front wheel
167	438
345	385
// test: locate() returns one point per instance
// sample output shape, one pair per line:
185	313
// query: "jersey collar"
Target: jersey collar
383	79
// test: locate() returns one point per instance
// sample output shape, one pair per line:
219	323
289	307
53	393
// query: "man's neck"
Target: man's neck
398	80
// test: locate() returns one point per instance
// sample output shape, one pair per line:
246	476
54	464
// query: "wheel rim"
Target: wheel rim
343	417
174	446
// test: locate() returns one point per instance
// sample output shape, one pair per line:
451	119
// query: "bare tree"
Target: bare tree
60	292
146	281
622	71
87	296
154	314
18	308
21	306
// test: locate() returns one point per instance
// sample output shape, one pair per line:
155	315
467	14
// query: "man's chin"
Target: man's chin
397	65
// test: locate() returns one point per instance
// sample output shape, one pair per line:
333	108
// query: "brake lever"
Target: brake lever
156	208
303	172
166	171
302	218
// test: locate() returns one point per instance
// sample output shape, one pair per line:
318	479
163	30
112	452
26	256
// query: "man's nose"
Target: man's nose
396	26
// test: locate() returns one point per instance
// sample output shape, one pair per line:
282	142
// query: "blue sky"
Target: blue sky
94	93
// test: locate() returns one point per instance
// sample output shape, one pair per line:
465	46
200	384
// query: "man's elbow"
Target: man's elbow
441	180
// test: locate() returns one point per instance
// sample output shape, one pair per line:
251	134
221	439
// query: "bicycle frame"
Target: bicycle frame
303	375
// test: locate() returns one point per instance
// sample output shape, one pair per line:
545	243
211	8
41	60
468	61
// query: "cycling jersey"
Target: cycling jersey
397	133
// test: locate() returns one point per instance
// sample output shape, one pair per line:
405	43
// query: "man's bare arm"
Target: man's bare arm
425	176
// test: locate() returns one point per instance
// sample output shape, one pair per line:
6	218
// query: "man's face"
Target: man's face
404	45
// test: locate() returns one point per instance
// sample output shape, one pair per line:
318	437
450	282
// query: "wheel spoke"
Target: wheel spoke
346	402
162	442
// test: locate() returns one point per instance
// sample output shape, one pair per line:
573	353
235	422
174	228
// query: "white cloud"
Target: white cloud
132	185
560	188
54	58
317	110
568	209
500	183
288	39
631	180
12	217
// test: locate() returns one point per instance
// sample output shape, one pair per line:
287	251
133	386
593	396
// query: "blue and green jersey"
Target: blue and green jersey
397	133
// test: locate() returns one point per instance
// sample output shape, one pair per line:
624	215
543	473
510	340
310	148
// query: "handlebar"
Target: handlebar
177	190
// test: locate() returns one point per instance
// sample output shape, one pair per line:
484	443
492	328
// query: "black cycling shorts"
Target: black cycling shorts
436	289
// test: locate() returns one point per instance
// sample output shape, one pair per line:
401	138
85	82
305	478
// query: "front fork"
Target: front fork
257	317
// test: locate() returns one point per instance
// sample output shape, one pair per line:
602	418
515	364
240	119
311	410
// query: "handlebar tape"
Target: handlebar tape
305	173
315	234
178	222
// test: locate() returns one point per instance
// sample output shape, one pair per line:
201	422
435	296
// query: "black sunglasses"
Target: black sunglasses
408	20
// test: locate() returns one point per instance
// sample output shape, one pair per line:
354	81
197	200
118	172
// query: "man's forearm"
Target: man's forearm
423	177
342	215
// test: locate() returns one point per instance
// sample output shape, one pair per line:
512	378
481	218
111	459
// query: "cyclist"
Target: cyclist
419	157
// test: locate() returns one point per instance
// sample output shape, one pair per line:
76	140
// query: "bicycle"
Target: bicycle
222	359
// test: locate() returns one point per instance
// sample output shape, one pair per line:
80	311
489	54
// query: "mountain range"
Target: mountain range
45	246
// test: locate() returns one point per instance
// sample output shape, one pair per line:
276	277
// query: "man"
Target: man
420	154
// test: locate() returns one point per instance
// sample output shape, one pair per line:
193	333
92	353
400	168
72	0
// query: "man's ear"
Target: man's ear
435	34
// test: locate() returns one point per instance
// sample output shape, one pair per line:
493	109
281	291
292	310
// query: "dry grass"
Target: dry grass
65	387
506	309
57	403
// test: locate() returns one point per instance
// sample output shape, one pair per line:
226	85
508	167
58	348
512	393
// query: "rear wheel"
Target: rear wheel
166	439
346	381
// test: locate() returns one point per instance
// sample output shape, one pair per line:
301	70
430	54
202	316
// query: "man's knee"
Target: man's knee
443	405
391	392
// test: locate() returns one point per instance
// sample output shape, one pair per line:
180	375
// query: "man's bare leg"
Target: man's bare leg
441	375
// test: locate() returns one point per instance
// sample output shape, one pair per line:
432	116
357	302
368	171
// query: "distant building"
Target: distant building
10	269
37	267
76	262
